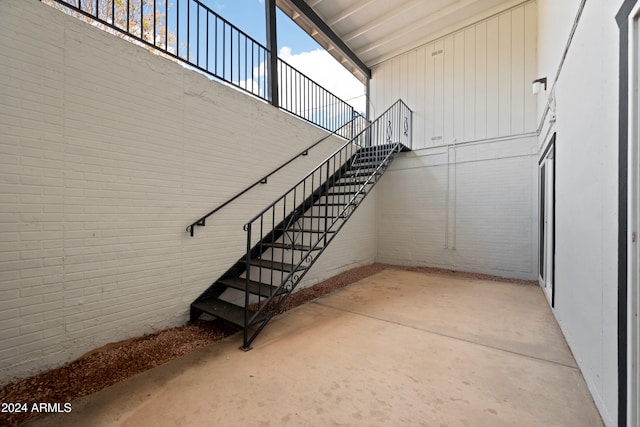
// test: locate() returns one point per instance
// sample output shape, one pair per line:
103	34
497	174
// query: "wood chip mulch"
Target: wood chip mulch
115	362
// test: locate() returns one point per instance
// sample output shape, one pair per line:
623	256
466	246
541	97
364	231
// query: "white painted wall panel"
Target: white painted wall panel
493	78
519	90
107	153
481	83
481	78
530	62
505	66
418	98
411	76
470	66
459	99
449	83
428	96
438	98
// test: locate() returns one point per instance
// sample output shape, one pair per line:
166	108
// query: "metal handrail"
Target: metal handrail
324	162
323	238
317	100
225	53
306	218
202	220
284	243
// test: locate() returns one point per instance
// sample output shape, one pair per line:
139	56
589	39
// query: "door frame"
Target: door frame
633	220
628	19
547	220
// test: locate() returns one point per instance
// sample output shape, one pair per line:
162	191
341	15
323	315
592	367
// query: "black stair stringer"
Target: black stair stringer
362	170
282	296
217	288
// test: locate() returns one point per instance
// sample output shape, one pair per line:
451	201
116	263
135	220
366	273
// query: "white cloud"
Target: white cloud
321	67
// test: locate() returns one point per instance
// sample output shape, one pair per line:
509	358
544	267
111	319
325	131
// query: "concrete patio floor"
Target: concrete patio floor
397	348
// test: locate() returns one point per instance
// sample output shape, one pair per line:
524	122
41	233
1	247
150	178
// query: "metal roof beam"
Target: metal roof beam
354	8
308	15
383	19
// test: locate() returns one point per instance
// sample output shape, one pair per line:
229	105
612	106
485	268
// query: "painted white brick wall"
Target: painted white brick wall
107	153
470	207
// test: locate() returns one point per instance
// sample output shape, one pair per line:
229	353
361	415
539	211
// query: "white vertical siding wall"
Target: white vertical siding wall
471	85
465	198
586	165
107	153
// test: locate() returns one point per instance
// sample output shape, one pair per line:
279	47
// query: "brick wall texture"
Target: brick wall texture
107	153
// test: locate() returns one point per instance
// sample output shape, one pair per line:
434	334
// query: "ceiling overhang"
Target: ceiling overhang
363	33
304	15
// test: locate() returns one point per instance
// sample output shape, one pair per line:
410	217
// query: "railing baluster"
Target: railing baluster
248	279
246	78
207	44
273	226
326	201
300	95
178	28
198	34
154	22
260	251
188	31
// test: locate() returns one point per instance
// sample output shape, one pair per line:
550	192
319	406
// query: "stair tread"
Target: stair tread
295	246
321	205
359	172
364	166
369	160
334	193
346	184
358	175
329	217
311	230
374	148
255	288
275	265
359	169
223	310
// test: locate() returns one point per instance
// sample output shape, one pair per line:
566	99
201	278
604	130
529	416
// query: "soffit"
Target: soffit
376	30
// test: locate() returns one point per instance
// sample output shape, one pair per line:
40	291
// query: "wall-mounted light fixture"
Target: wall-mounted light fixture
537	84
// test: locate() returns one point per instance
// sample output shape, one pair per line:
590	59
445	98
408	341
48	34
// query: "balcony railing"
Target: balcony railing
190	32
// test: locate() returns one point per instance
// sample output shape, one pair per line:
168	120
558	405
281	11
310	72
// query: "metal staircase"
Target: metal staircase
288	236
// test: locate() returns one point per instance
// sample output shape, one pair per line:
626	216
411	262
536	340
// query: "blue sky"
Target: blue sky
294	46
249	16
